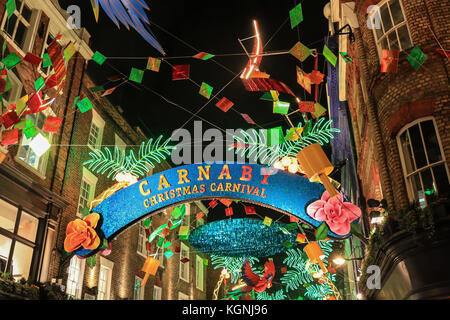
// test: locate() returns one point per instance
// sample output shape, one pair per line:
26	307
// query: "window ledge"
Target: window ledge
28	167
12	43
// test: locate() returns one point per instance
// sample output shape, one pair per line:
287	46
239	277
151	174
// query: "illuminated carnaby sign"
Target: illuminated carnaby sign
280	190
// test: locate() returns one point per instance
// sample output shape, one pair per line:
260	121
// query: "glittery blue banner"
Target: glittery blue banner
265	186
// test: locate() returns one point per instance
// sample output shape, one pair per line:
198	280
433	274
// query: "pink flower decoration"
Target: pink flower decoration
337	214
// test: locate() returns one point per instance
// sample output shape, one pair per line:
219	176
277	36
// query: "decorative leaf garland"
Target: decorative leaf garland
149	153
279	295
251	143
232	265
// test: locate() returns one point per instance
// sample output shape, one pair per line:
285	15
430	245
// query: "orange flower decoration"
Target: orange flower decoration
82	233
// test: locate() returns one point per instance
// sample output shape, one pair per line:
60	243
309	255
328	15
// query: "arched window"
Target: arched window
423	161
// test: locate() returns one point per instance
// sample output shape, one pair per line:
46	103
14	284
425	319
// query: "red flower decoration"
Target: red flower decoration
337	214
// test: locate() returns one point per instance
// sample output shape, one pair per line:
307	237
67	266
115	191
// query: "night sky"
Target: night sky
212	27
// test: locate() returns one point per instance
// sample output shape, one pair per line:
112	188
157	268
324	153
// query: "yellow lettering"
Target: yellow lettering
163	183
146	203
141	188
225	172
203	173
213	185
182	176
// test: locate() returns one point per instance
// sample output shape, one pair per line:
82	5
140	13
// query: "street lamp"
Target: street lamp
340	261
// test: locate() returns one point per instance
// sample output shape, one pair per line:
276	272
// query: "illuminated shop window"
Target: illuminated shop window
423	161
75	277
18	231
390	26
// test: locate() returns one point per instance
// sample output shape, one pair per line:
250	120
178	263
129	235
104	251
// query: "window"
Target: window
104	279
96	131
392	31
160	256
423	161
18	232
75	277
87	190
25	154
199	273
49	245
138	289
119	143
142	240
182	296
157	293
49	39
17	90
184	267
19	27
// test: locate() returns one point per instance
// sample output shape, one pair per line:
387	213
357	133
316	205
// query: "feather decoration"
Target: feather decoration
131	13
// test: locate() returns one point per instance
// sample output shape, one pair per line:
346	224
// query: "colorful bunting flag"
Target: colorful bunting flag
303	80
153	64
10	137
444	53
30	130
346	57
97	89
229	212
109	91
293	135
184	231
316	77
69	51
35	102
288	244
306	106
319	110
271	95
206	90
184	260
168	254
416	58
301	238
167	244
200	215
10	7
180	72
84	105
281	107
250	210
52	124
224	104
213	204
329	55
247	118
33	59
389	61
291	226
226	202
39	83
11	60
300	51
296	15
267	221
136	75
115	78
99	58
9	119
293	219
46	61
203	56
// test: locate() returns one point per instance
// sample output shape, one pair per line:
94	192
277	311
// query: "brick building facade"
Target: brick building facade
400	120
39	196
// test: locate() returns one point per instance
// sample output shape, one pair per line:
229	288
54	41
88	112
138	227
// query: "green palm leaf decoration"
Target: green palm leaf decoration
111	163
279	295
254	145
318	292
104	162
232	264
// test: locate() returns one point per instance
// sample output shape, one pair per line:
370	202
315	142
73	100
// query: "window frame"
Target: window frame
393	29
100	124
142	240
141	289
184	266
79	280
16	238
30	34
183	296
41	170
199	273
417	171
107	265
158	289
91	180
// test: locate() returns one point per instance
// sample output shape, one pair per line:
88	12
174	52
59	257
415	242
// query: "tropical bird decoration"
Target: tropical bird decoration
130	13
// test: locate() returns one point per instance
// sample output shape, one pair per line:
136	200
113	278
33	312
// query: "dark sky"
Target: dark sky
213	27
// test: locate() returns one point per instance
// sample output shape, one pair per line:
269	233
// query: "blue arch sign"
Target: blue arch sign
280	190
